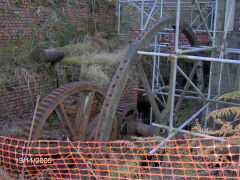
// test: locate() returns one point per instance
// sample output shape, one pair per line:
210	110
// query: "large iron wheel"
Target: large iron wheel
130	62
77	105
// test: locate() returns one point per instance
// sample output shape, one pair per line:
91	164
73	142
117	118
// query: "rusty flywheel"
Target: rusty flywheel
130	62
77	105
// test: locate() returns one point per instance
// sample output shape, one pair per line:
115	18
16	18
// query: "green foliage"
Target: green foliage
56	28
2	10
61	34
77	50
226	118
16	52
89	60
230	96
225	112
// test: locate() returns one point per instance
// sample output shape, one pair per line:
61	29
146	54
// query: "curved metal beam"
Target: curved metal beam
127	67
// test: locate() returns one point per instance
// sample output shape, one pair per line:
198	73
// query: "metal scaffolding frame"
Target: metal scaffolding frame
148	9
153	10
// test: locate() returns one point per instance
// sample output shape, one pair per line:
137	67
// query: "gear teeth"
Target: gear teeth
52	100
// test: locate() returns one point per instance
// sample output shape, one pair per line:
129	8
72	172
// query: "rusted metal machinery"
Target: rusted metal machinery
88	113
127	119
128	65
77	105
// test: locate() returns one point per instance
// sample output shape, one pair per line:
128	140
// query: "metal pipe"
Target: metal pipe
193	92
189	80
180	128
142	15
174	68
143	11
166	2
226	26
199	15
204	23
188	132
207	100
197	58
161	88
159	76
150	15
215	24
191	16
166	87
211	64
158	67
195	50
154	77
119	17
161	14
185	89
212	18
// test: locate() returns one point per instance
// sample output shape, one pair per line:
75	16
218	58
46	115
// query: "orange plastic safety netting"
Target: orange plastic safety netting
176	159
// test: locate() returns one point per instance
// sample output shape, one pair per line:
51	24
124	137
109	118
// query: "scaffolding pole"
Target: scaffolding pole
149	9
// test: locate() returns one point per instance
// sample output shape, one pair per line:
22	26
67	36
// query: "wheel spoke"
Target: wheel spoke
60	117
92	125
147	87
80	109
70	109
85	115
67	122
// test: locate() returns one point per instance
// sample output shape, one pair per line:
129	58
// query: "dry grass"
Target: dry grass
226	119
105	58
96	73
78	50
96	44
11	130
98	67
226	128
230	96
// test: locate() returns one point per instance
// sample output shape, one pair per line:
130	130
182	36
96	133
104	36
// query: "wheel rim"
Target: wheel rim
78	103
127	67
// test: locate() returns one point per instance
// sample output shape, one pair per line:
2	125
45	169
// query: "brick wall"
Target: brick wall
72	73
130	94
17	19
17	100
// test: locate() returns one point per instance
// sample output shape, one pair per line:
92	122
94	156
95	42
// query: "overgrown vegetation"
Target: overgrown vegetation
93	49
52	30
96	63
227	120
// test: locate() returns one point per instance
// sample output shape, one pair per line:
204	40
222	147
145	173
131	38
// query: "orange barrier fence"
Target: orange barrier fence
176	159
